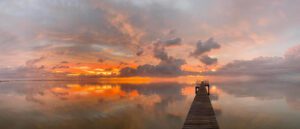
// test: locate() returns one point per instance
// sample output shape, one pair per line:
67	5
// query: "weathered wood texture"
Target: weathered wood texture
201	114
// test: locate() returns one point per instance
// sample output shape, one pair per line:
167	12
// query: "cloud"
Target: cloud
171	42
99	26
293	54
258	66
123	63
264	66
31	63
33	69
203	47
64	62
100	60
208	60
159	52
140	52
168	65
36	72
60	67
117	30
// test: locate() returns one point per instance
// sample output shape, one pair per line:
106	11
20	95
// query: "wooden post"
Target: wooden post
208	89
196	89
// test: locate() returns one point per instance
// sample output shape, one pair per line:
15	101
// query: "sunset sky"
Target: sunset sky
161	38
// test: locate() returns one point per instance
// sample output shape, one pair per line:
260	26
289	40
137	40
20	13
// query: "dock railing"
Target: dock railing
203	83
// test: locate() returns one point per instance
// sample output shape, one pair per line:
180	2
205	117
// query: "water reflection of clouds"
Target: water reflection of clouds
61	105
265	90
256	103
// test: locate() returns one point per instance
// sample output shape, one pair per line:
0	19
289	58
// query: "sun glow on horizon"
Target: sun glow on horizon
214	70
73	71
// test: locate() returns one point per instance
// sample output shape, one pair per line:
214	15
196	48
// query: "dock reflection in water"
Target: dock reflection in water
61	105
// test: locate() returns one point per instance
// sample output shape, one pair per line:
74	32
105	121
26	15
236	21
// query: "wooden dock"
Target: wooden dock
201	114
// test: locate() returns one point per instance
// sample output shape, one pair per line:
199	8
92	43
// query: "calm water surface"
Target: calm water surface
71	105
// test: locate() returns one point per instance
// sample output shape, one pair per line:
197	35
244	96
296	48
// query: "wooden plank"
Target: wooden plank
201	114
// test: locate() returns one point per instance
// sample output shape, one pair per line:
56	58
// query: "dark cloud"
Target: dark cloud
258	66
34	72
170	42
100	60
42	67
31	63
60	67
172	32
265	66
168	65
208	60
159	52
64	62
140	52
123	63
203	47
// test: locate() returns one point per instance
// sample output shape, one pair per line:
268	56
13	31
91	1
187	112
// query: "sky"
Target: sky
163	38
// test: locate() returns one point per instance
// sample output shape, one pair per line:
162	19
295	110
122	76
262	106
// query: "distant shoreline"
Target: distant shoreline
33	80
45	80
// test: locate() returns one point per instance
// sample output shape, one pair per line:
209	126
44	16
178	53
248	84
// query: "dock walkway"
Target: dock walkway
201	114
